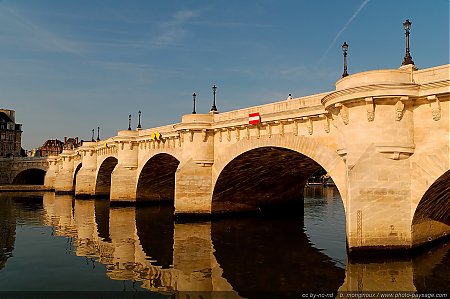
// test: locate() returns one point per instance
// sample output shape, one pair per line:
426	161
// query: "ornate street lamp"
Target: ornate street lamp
214	108
98	133
193	98
408	59
344	50
139	122
129	122
93	130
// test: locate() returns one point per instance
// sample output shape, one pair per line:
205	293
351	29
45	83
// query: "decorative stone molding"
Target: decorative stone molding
191	135
342	152
220	135
281	128
309	125
181	135
395	152
326	123
247	132
228	134
343	112
269	130
399	108
258	132
435	107
370	107
237	134
204	135
295	127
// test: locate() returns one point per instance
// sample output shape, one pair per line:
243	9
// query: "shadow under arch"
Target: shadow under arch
262	177
157	179
278	248
103	181
432	216
311	149
32	176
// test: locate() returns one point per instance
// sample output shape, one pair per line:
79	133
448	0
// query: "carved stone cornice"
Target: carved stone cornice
375	90
435	107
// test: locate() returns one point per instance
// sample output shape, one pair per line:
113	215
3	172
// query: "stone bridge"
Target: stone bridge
382	136
23	171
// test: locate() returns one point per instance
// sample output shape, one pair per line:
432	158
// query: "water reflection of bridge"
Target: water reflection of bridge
144	244
239	256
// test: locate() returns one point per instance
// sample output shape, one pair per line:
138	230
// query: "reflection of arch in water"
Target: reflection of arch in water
276	247
102	219
432	270
32	176
262	177
432	216
157	179
423	272
155	229
103	181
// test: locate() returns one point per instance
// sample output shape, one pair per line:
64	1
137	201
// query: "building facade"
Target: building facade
10	134
51	147
54	147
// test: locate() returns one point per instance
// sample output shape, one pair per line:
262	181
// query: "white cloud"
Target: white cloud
172	31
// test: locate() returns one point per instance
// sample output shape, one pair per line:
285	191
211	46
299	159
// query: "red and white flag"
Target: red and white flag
254	118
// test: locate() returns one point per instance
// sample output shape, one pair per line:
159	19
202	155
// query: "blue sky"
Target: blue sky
69	66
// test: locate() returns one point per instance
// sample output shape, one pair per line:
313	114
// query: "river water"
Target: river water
53	242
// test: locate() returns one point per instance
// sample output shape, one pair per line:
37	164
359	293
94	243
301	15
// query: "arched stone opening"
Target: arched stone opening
103	182
31	176
157	179
431	219
263	177
77	169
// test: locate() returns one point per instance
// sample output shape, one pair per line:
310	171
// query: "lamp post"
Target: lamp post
98	133
214	108
408	59
344	50
193	98
139	122
129	122
93	130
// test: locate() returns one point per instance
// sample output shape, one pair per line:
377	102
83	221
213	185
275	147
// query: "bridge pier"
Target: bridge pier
124	176
64	183
377	141
193	189
86	176
193	178
50	175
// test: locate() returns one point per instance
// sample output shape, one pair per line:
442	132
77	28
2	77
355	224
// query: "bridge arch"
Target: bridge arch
245	156
431	218
76	170
103	177
156	181
31	176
